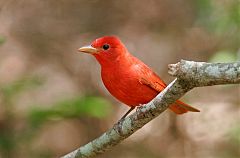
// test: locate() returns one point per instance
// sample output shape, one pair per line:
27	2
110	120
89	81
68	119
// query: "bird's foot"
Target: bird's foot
140	106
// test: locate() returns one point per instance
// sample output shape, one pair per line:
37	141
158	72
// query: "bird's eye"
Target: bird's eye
105	46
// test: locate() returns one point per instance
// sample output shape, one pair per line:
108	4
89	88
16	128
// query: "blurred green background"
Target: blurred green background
52	99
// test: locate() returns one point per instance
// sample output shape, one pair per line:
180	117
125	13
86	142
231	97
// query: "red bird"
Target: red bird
126	77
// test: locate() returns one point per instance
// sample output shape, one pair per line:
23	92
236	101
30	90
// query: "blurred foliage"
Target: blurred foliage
219	16
2	40
204	9
235	134
223	56
223	19
7	142
77	107
21	85
71	108
8	139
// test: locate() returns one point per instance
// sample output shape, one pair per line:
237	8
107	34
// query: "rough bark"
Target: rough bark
189	74
206	74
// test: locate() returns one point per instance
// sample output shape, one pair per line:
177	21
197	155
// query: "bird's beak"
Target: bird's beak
88	49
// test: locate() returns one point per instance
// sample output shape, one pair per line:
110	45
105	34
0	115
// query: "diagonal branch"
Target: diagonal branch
189	74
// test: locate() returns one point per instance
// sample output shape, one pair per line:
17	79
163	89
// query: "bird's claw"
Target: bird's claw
139	107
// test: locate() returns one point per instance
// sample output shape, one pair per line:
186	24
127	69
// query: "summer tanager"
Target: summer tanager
126	77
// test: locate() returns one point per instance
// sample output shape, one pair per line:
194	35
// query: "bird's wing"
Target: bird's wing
149	78
157	84
152	80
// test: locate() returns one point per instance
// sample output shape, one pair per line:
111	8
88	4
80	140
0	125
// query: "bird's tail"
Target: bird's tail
180	108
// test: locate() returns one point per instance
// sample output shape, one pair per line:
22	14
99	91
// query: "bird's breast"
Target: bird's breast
125	86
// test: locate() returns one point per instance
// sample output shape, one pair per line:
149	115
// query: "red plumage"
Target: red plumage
126	77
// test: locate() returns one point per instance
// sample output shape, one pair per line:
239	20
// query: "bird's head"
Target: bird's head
105	49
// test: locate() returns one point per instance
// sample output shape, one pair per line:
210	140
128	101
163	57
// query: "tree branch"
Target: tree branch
189	74
206	74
